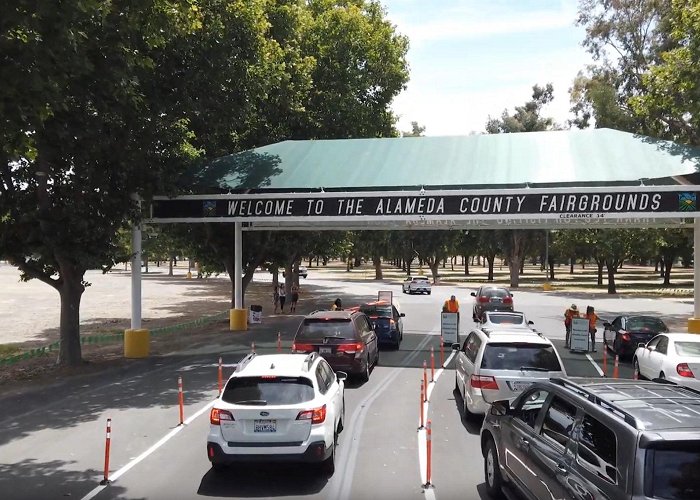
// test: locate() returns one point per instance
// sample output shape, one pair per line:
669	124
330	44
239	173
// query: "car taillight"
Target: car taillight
507	300
625	336
483	298
483	382
216	416
684	370
301	348
317	415
353	348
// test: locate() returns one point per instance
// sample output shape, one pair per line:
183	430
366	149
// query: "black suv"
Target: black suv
346	339
595	438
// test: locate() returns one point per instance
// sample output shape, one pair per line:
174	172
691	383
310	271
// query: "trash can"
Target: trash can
255	314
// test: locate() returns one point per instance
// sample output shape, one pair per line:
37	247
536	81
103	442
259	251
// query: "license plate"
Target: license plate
519	386
265	426
324	350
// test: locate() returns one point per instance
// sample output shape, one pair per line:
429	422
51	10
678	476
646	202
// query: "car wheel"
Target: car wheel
428	293
456	383
662	376
328	465
492	471
365	374
637	373
467	414
220	468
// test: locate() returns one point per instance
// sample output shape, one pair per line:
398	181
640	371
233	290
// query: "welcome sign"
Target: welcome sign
580	203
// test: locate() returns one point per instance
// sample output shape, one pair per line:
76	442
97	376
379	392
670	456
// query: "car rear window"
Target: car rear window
511	356
687	348
420	279
268	390
374	311
495	292
320	328
672	473
645	323
505	319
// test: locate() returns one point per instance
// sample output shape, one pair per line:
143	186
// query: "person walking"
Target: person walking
337	305
295	298
592	320
283	296
569	314
276	297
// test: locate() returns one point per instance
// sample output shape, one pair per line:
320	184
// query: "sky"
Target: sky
473	58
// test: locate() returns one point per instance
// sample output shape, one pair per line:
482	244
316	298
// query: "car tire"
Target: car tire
328	465
220	469
428	293
492	471
456	383
662	376
364	376
636	370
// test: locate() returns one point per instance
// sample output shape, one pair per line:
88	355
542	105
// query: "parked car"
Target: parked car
671	356
623	334
278	407
303	272
386	320
595	438
500	363
416	284
491	298
345	339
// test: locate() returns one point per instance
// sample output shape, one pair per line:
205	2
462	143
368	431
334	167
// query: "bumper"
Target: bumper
419	290
391	337
314	453
347	364
476	402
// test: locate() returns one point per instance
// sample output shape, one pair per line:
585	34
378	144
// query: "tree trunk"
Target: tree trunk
667	265
434	265
514	264
522	265
170	267
71	291
611	276
377	261
550	263
490	259
572	261
408	267
465	259
358	261
600	271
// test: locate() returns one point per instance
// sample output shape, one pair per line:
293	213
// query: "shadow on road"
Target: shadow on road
262	480
472	423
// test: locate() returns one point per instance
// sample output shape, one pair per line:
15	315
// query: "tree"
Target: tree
526	118
416	131
434	246
670	244
489	246
103	99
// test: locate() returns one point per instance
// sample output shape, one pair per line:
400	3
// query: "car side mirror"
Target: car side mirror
455	347
530	322
651	347
500	408
641	344
341	376
473	294
403	315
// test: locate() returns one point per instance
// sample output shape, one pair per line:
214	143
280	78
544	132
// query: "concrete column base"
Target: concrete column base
238	320
137	343
693	325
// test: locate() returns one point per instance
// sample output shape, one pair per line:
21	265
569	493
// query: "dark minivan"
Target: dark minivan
345	339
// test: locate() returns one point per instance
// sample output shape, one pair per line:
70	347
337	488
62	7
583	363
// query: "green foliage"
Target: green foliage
527	118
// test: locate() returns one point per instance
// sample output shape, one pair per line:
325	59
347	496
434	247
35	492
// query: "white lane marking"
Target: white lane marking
341	489
595	365
150	450
423	435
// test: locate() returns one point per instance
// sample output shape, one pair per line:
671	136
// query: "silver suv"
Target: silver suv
595	438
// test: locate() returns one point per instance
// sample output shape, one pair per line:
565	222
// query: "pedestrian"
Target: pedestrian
295	298
592	320
337	305
276	297
283	297
451	305
569	314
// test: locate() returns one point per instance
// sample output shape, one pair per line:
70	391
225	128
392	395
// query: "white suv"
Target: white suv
496	364
278	407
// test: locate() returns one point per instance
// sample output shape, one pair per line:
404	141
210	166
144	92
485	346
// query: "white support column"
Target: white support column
694	322
136	278
238	264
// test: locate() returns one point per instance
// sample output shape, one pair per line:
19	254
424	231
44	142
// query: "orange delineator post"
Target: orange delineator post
107	445
252	346
442	352
432	364
181	400
429	450
425	379
221	376
616	368
279	342
422	401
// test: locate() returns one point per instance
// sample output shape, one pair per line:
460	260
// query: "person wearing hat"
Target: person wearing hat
451	305
569	314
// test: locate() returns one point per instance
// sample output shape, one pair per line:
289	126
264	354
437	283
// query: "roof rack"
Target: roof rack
244	361
627	416
309	360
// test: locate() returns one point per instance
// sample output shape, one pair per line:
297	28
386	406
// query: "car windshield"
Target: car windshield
505	319
268	390
318	328
520	356
674	472
377	311
687	348
645	323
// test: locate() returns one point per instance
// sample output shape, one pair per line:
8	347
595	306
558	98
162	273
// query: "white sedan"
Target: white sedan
671	356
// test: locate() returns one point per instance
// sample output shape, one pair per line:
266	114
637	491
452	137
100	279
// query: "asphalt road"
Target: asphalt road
52	442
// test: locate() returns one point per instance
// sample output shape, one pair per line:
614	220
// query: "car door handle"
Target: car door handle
562	468
524	442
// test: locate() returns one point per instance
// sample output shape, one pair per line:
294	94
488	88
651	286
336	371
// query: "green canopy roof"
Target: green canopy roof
559	158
